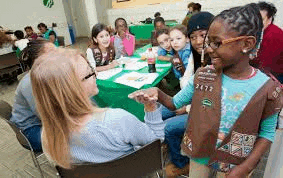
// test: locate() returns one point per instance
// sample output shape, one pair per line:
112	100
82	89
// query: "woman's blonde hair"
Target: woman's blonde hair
60	101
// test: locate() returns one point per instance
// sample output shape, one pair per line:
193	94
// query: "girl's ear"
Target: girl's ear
248	44
94	39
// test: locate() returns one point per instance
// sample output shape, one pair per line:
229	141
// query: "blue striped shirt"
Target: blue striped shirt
117	134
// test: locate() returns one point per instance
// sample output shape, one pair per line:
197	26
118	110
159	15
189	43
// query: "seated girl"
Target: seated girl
165	51
76	131
123	41
182	60
100	53
21	42
30	33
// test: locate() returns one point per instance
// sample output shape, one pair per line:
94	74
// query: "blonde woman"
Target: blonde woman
76	131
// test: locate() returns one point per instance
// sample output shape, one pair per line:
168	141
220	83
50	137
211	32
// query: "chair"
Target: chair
21	61
140	163
61	40
5	113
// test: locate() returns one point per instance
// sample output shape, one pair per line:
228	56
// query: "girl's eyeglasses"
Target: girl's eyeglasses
215	45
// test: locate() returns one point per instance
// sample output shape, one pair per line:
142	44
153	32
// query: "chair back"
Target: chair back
140	163
61	40
5	110
6	113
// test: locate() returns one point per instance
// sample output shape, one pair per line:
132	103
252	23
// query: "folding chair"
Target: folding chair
140	163
5	113
61	41
22	63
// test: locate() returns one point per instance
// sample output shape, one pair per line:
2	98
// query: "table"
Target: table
115	95
143	31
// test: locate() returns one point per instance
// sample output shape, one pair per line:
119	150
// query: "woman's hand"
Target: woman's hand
147	97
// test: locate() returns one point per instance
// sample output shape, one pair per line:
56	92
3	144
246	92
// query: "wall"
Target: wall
16	14
75	11
101	8
178	10
135	3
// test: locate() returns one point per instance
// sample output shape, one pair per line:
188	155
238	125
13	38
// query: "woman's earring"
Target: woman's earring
245	51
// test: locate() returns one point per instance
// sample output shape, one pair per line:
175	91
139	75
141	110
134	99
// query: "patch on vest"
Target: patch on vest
203	87
188	142
240	145
221	167
207	102
276	93
207	75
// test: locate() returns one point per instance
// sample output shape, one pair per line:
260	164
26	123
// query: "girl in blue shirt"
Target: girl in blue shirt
180	43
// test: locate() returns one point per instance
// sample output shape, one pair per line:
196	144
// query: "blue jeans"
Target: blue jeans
174	130
280	78
33	134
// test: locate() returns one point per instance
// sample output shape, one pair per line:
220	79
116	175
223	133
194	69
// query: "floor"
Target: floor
15	161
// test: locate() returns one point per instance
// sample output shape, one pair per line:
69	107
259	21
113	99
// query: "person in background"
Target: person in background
76	131
190	8
270	55
213	134
165	51
197	29
30	33
196	8
190	13
21	42
24	113
4	38
181	60
100	53
48	34
123	41
158	23
157	14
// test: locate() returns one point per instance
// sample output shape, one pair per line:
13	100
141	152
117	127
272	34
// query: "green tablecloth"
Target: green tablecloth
143	31
115	95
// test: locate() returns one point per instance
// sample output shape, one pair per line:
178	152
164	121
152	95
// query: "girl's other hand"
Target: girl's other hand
237	172
181	110
114	63
122	33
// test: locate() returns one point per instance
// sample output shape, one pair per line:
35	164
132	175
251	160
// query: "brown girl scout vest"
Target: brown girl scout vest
97	55
179	66
201	135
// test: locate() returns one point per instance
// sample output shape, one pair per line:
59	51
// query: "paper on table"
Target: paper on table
135	65
136	80
108	73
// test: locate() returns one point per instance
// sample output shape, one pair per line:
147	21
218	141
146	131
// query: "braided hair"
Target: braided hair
246	20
